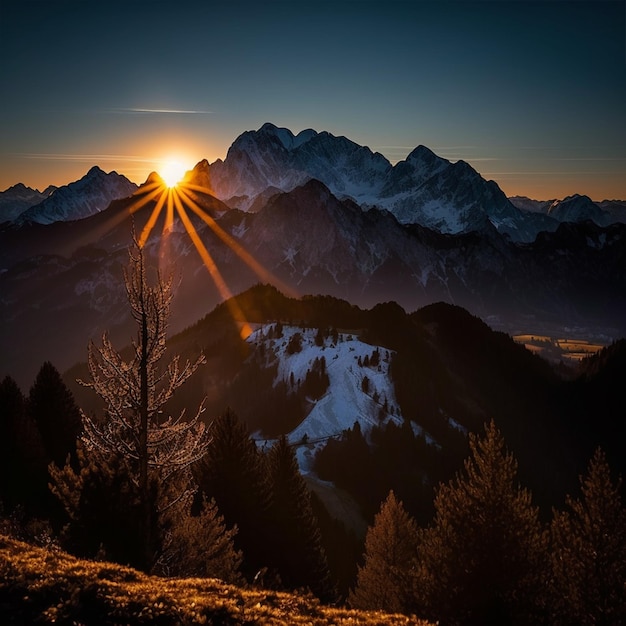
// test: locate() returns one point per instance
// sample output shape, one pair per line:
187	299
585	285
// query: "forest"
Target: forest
454	534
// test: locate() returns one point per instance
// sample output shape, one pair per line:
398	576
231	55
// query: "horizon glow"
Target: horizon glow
530	93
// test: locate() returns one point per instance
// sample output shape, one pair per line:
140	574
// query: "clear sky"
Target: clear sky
531	94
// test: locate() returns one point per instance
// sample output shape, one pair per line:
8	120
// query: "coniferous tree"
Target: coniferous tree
201	546
384	579
232	473
295	344
298	554
58	419
588	555
153	449
348	463
103	505
482	561
23	464
320	337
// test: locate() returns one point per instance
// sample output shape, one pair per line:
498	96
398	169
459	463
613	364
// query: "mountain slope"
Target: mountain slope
18	198
578	208
439	371
68	275
91	194
300	353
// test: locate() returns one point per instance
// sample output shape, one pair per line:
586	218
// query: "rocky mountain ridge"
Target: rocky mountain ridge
67	275
424	189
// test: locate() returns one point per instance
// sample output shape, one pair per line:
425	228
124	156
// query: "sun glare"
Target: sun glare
175	196
172	172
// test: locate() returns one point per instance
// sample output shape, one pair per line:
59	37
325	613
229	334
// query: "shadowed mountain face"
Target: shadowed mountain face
439	373
61	283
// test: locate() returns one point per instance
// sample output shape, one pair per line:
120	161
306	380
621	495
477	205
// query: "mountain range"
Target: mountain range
423	189
82	198
320	214
17	199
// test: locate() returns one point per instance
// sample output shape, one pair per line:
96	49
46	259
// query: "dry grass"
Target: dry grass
40	586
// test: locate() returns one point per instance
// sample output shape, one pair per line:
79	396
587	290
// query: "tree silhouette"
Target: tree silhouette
482	561
298	554
23	473
232	473
384	580
52	406
135	392
202	546
588	555
103	504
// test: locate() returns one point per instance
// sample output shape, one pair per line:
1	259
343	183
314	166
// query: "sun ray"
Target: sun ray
145	198
264	274
168	226
175	200
217	277
147	229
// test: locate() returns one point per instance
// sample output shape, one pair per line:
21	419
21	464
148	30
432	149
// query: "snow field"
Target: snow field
345	402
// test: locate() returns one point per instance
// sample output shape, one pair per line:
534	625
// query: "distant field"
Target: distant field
558	349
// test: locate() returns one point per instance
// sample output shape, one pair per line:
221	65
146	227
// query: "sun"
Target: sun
172	172
177	196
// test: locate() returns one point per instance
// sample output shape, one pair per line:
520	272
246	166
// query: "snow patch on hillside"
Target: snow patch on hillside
345	401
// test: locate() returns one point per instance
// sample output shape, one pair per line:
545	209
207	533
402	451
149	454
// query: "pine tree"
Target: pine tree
482	561
201	546
103	504
295	344
298	554
23	463
320	337
588	555
58	419
152	448
384	580
232	473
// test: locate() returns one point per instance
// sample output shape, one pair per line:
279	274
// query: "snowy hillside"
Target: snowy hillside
347	399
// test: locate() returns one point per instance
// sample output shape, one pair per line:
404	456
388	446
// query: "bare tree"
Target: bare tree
136	391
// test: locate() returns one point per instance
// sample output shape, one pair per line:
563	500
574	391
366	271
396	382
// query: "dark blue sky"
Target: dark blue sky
531	94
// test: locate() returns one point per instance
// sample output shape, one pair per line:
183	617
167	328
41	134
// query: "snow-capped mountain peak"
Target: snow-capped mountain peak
18	198
423	189
286	137
426	161
82	198
578	208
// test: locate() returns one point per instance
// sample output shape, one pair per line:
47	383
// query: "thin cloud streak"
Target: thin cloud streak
47	156
550	173
160	111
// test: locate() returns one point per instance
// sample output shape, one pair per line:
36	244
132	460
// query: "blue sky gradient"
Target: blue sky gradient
531	94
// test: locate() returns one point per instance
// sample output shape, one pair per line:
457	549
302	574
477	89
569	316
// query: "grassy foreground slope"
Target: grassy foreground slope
40	586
